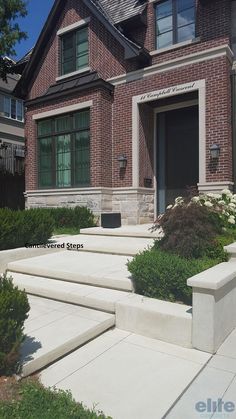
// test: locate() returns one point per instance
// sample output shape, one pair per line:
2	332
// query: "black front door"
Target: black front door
178	154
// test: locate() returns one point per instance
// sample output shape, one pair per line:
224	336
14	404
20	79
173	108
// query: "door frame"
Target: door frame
200	87
161	109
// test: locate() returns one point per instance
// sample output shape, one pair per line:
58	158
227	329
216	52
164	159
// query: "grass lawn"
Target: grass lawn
27	399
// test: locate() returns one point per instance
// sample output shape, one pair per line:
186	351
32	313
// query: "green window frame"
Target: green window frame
175	22
74	51
64	151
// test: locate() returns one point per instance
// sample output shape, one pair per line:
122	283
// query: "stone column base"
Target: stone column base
215	186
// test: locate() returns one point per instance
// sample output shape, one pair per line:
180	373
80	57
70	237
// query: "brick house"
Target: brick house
128	103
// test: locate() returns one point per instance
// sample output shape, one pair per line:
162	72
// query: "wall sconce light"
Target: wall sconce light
215	151
122	161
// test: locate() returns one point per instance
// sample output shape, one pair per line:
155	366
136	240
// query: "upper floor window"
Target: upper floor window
175	22
13	108
74	51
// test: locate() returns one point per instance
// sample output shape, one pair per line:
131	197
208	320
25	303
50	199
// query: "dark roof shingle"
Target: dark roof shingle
121	10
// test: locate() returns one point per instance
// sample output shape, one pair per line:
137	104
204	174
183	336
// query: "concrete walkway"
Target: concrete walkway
217	381
126	375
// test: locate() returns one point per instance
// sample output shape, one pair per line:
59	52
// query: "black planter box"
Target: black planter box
111	220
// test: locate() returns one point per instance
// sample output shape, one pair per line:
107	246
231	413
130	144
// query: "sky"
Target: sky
38	11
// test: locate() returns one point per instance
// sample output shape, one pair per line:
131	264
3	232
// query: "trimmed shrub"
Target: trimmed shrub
190	231
36	402
18	228
14	307
162	275
78	217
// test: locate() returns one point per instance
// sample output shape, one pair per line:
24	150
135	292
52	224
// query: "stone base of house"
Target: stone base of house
136	205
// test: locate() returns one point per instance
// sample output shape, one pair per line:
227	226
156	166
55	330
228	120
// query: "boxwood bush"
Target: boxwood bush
18	228
37	402
14	308
163	275
78	217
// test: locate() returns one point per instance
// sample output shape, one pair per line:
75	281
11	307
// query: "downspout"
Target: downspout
233	84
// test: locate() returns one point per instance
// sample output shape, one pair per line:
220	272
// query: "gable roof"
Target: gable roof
104	13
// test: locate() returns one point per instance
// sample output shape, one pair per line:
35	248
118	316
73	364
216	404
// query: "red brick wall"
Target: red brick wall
111	117
106	55
218	113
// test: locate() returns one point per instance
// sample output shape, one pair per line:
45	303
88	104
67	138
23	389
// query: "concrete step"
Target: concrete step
54	329
85	295
138	231
126	246
100	270
231	250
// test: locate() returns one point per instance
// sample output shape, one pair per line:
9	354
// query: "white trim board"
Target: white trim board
74	26
64	109
197	57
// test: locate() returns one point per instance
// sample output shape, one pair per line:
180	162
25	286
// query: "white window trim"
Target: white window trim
175	46
65	76
74	26
65	109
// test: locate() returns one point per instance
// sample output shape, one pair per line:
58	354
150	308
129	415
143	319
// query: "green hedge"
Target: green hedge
14	308
163	275
37	402
78	217
18	228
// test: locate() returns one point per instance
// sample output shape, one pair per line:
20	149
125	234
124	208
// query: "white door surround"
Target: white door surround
200	87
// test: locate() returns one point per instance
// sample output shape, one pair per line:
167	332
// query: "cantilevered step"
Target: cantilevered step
138	231
100	270
54	329
126	246
85	295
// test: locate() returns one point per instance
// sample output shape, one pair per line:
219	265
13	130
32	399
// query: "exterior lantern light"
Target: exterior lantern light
122	161
215	151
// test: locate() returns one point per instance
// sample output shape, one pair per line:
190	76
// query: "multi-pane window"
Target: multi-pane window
64	151
13	108
74	51
175	22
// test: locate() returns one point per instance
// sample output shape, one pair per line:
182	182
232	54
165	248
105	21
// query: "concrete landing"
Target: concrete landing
102	270
126	375
127	246
85	295
54	329
141	230
216	382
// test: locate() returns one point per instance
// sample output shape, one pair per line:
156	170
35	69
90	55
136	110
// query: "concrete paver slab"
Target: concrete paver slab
140	230
57	332
122	378
84	295
129	246
94	269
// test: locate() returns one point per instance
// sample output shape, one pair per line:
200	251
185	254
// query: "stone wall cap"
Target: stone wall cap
215	277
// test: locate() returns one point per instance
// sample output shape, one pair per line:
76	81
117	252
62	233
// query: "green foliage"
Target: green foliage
190	231
10	32
14	307
163	275
37	402
78	217
18	228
